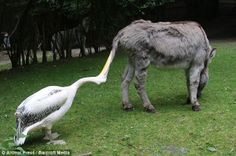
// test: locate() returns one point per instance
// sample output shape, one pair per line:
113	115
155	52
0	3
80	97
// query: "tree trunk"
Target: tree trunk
44	52
27	57
68	53
44	56
67	40
13	57
35	58
22	57
54	56
17	38
35	42
61	45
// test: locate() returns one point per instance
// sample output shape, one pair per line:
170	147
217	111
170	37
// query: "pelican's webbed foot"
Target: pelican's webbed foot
51	136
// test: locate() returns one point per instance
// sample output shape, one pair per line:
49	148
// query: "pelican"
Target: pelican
45	107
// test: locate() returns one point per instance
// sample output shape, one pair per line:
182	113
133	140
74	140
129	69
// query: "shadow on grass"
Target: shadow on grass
166	103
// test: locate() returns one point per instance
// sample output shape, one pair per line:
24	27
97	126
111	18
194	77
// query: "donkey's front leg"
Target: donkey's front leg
194	78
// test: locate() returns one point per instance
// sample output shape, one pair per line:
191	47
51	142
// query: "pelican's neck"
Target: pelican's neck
98	79
75	86
101	78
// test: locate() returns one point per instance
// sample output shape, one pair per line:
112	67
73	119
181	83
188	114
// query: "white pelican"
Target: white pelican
45	107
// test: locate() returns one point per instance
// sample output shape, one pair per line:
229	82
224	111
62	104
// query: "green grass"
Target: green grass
96	123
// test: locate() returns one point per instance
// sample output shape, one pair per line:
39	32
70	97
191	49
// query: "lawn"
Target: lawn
97	124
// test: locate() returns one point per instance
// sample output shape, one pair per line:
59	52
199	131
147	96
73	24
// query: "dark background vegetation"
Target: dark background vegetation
31	23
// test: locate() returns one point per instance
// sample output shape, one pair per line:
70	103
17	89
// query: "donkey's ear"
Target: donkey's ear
212	53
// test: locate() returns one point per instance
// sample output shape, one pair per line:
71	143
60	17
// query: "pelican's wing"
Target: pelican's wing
40	105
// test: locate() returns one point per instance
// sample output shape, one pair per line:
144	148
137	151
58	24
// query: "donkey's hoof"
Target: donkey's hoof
196	108
128	107
150	109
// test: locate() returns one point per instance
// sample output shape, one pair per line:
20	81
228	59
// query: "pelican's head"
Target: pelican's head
19	140
19	137
100	79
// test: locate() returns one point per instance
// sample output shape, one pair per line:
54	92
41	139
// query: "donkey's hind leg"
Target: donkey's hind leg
126	79
141	66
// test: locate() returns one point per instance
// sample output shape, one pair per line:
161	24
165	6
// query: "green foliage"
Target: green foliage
70	8
97	124
140	4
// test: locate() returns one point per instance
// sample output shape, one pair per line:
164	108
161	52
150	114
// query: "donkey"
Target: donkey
164	44
71	38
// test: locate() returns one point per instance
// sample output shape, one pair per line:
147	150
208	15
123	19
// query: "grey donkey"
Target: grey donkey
165	45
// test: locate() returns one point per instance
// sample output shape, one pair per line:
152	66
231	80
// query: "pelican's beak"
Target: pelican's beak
106	67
